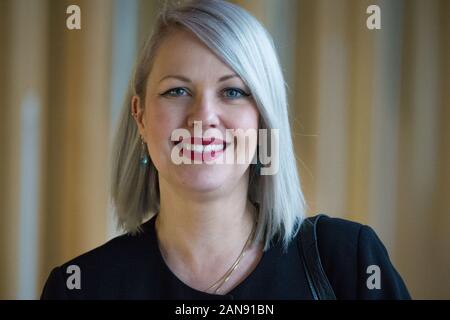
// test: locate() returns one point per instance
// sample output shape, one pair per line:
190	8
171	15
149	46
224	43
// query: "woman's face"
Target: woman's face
189	83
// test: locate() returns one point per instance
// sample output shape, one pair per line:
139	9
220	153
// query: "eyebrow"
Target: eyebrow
184	79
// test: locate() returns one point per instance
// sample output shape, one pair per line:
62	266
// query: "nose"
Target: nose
203	109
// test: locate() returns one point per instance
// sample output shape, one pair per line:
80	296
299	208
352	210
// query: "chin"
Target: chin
204	179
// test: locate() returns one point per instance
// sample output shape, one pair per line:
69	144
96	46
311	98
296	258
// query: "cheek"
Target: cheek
160	124
244	118
163	117
246	139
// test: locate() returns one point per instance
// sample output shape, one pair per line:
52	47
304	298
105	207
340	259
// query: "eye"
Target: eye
175	92
234	93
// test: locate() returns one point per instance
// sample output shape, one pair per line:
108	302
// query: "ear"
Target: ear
137	112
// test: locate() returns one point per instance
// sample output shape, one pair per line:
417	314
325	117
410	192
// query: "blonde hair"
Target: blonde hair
237	38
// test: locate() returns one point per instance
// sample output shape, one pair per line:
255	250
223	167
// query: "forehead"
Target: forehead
182	52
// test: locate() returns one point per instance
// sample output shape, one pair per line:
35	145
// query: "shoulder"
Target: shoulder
336	235
339	236
114	253
341	232
99	271
350	251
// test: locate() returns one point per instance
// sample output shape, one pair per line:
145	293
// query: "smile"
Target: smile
202	148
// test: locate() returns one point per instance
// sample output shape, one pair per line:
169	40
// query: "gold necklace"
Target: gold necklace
219	283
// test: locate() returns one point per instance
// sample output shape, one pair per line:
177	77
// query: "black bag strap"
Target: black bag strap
317	279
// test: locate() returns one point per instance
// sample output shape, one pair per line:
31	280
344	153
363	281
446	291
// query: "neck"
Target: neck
197	228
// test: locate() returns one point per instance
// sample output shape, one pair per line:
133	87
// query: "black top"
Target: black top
131	267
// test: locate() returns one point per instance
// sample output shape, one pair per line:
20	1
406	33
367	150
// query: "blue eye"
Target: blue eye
234	93
175	92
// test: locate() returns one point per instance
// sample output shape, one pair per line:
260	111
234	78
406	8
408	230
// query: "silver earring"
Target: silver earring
258	167
144	155
258	164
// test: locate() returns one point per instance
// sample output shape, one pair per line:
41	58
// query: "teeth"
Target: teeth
200	148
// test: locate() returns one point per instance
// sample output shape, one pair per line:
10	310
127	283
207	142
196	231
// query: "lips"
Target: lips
201	141
203	149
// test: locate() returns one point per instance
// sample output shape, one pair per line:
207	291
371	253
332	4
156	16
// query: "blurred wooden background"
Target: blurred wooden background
370	111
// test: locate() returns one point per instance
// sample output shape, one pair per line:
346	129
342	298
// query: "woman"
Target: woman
207	76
